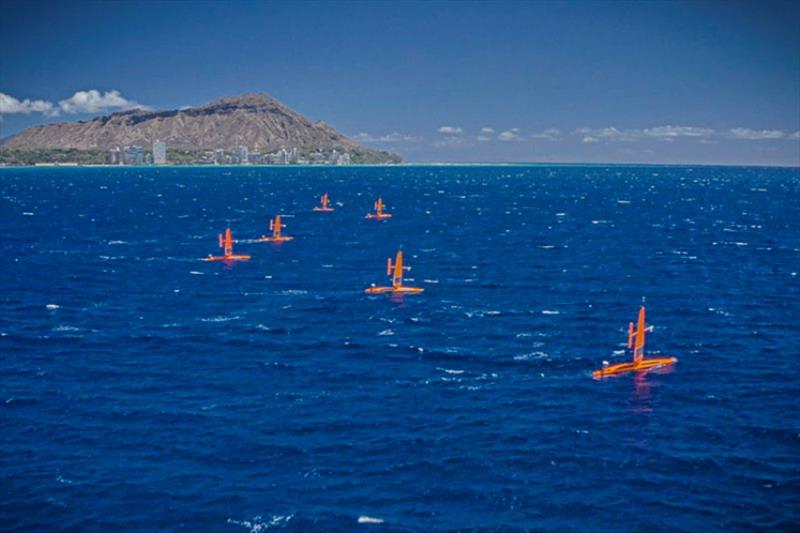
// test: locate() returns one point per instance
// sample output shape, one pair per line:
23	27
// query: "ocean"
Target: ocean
143	389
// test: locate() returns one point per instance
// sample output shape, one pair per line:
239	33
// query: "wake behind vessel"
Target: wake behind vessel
636	340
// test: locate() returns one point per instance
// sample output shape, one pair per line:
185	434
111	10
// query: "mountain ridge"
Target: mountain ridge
255	120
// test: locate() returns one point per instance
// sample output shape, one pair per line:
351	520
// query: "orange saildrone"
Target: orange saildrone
640	363
275	226
323	206
379	214
396	272
226	243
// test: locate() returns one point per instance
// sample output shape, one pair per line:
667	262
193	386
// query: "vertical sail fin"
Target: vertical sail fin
638	350
397	279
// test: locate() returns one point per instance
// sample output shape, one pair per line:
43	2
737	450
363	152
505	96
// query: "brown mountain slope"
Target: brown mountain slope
253	120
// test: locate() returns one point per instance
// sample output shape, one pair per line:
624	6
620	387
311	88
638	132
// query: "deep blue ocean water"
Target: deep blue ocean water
143	389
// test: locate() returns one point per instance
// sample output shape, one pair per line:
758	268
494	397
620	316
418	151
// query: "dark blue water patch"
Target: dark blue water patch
145	389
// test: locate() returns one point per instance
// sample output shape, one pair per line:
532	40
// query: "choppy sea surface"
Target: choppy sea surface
144	389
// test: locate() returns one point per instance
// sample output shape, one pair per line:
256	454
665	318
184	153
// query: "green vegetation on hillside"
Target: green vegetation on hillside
21	157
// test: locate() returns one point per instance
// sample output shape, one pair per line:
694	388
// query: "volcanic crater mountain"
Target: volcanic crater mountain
255	120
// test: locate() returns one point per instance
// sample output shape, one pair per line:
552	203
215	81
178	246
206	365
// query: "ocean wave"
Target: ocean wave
257	524
66	328
364	519
220	318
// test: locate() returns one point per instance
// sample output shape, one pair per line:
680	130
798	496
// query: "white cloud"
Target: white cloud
756	135
394	137
450	130
590	140
10	105
664	133
92	101
487	130
671	132
451	141
550	134
794	136
610	134
509	135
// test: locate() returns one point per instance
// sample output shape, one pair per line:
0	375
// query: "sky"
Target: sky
562	81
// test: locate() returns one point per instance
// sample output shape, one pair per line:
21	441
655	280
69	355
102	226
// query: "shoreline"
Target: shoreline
406	165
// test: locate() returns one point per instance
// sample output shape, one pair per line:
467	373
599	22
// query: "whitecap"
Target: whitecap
66	328
27	213
364	519
259	525
386	333
550	312
450	370
52	307
117	242
529	356
220	318
195	273
433	281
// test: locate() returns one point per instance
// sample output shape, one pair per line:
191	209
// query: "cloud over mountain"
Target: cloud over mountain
82	102
93	101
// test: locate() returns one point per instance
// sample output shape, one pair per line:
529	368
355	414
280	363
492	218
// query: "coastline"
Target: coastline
424	164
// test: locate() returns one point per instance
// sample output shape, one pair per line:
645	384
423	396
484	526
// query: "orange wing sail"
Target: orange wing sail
275	225
227	242
397	279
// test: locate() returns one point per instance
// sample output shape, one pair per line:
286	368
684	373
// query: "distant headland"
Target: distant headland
246	129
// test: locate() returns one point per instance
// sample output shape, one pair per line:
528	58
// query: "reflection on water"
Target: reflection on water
641	395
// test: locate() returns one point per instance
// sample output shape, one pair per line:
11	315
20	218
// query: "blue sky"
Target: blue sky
672	82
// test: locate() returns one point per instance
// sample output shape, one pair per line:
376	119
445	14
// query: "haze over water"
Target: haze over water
143	389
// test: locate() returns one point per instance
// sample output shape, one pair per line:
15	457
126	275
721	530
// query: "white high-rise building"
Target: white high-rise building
240	154
159	153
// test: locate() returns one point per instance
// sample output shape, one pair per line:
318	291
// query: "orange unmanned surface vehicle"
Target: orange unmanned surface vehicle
323	204
226	243
275	226
379	214
396	272
640	363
